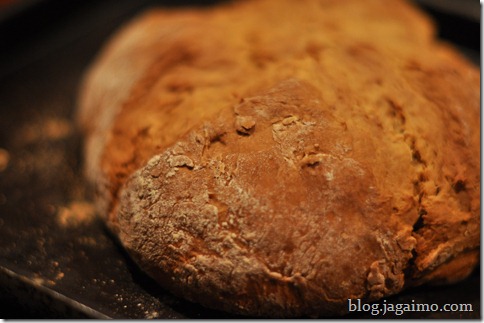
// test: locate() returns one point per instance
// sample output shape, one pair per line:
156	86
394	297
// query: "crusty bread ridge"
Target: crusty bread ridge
276	158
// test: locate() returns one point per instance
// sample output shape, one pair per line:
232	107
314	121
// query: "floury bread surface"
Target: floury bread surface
277	157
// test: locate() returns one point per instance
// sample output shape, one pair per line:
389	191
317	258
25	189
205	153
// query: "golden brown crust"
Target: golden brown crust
280	171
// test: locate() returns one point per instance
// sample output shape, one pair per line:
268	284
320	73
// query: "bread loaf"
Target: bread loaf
276	157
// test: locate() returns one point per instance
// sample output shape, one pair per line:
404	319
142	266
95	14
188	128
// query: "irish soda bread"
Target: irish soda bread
278	157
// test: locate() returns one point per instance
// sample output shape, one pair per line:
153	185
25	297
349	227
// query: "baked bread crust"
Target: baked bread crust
281	171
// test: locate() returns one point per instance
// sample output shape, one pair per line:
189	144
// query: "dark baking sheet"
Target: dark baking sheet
56	259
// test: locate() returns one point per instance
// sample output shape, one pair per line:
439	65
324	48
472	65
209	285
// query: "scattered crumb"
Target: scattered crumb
76	213
45	129
38	281
4	159
57	128
152	315
88	241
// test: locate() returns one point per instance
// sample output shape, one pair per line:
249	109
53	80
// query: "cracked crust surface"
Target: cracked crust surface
270	177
